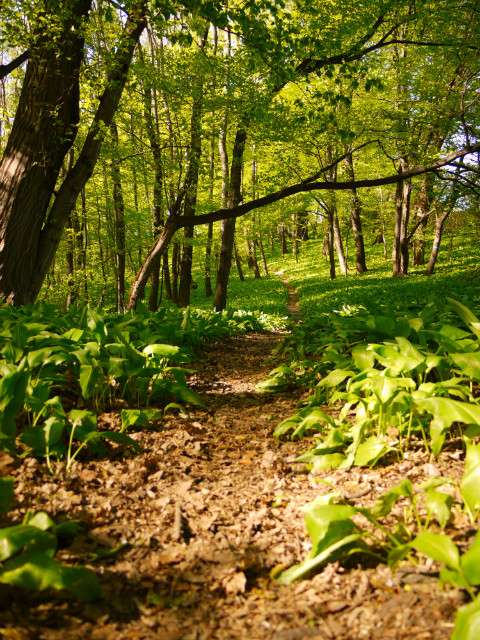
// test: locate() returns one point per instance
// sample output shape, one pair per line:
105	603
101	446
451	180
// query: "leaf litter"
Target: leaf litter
187	537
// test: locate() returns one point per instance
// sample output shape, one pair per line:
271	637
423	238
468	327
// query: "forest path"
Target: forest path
185	536
293	308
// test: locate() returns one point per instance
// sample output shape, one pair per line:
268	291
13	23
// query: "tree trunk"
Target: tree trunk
238	262
44	128
228	226
356	218
339	242
440	221
397	250
191	180
119	212
76	179
404	240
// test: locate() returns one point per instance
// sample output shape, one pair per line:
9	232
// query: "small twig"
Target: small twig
177	521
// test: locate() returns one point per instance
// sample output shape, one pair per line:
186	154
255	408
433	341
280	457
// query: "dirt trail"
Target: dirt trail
184	537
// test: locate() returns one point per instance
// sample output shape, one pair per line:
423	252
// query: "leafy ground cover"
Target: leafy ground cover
139	461
187	537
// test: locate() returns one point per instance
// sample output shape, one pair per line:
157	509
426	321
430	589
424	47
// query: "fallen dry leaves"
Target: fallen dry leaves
186	536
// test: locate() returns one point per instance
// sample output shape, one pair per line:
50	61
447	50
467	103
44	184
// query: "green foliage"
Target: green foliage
27	553
98	358
404	370
332	525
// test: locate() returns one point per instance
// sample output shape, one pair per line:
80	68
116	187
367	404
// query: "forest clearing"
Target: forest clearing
240	319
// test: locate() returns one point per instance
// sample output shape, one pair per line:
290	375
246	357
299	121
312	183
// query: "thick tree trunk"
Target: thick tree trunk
43	131
76	179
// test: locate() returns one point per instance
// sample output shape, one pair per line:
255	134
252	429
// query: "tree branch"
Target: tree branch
303	187
5	69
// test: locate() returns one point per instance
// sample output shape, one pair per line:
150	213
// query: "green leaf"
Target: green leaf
6	494
165	351
131	417
466	315
36	570
119	438
383	505
90	376
301	570
467	622
470	483
12	539
439	547
319	518
370	451
470	562
41	520
439	506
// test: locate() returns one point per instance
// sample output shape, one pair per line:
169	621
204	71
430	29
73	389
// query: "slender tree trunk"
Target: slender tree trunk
119	213
397	250
260	246
228	226
404	241
339	242
356	218
191	193
175	270
439	224
238	262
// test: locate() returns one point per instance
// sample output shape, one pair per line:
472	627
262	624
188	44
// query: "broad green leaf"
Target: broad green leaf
467	622
166	351
439	547
40	519
301	570
466	315
335	378
36	570
448	411
383	504
6	494
96	324
131	417
319	518
470	562
370	451
119	438
439	506
363	358
468	363
12	539
90	380
470	483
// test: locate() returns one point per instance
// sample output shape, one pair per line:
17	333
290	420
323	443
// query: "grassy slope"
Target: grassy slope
310	276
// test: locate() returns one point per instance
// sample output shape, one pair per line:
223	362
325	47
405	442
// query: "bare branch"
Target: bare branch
5	69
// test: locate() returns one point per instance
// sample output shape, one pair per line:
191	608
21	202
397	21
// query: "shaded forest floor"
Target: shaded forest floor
186	536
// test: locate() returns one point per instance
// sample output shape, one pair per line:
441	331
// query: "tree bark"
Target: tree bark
119	217
76	179
44	128
228	226
356	218
191	180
